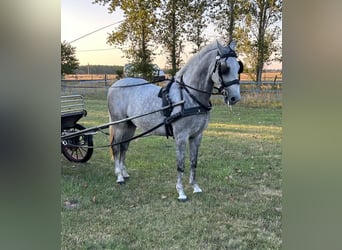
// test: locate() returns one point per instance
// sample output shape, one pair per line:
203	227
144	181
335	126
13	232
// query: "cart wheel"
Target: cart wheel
78	154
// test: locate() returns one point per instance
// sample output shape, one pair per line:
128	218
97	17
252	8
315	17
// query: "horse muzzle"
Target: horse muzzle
231	100
231	94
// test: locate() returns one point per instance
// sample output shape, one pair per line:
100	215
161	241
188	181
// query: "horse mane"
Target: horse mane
197	57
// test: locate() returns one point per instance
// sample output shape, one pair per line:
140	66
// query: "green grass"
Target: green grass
239	171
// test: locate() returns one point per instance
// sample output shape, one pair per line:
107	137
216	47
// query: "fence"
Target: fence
266	92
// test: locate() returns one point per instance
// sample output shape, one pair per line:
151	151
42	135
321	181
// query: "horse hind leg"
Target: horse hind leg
123	150
115	150
119	150
194	146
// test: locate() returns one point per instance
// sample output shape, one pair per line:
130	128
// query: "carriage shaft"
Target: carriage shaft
106	125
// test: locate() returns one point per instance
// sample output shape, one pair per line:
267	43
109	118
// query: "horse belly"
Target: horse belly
149	121
147	104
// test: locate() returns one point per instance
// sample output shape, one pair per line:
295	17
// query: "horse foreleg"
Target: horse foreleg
180	153
194	146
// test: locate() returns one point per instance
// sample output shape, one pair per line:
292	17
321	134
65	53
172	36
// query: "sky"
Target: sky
80	17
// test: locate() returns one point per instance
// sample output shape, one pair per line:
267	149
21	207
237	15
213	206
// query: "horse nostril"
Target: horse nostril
232	99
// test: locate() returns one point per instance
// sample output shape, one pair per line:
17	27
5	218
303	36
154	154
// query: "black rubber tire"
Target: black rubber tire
78	154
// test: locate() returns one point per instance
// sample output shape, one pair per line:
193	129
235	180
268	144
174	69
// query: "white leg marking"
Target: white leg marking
180	189
197	189
124	172
182	196
120	178
118	172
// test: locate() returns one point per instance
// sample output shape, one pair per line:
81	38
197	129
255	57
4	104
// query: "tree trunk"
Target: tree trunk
261	42
231	22
174	41
143	48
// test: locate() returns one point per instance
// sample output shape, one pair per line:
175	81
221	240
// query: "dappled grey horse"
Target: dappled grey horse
215	66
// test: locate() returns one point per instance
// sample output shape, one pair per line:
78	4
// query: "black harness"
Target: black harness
222	68
169	119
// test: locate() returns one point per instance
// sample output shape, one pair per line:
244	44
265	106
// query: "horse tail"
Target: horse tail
111	141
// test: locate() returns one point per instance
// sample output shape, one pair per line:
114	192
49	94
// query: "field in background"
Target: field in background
268	93
267	76
252	95
89	77
239	170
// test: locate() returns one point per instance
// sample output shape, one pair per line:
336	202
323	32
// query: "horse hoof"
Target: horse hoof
183	199
121	183
197	189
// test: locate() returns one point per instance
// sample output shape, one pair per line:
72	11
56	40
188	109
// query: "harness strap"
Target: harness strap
164	95
169	119
139	135
185	87
185	112
137	84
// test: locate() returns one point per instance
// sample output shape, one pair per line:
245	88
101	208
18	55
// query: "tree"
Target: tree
135	35
228	16
261	33
173	17
69	62
197	24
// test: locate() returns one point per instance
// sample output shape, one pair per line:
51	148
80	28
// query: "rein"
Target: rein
138	84
182	84
185	87
172	79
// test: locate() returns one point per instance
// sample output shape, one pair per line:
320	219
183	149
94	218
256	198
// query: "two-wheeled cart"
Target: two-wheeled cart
78	148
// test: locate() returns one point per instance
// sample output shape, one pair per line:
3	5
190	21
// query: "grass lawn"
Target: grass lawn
239	170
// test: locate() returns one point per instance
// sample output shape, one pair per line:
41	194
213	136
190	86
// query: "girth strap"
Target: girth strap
184	113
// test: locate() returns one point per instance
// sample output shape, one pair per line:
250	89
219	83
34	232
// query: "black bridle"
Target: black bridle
223	68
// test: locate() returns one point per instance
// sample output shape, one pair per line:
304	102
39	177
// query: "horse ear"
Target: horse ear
232	45
221	49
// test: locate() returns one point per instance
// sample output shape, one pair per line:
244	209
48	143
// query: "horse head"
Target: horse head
226	73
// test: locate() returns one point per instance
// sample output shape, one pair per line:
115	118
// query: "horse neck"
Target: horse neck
198	76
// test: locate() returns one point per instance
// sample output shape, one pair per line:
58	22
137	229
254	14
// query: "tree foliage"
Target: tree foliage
171	30
173	23
261	33
228	17
69	62
135	35
253	24
197	24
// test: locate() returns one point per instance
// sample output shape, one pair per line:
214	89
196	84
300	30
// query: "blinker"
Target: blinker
241	67
224	68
